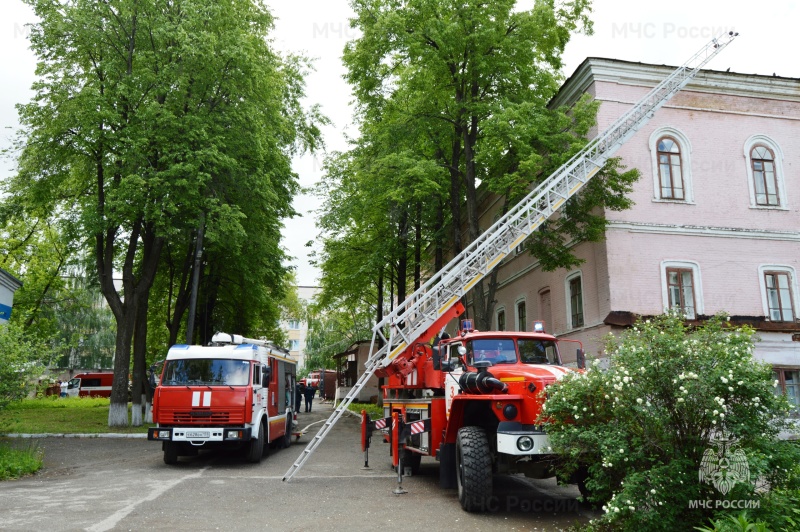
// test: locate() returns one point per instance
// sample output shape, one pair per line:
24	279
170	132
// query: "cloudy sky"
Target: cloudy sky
651	32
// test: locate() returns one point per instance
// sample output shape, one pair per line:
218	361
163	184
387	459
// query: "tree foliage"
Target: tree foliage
452	96
148	117
19	363
642	426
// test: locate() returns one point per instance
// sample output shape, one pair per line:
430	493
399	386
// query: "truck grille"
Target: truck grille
201	417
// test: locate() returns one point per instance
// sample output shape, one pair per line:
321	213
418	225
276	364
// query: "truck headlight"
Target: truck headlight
524	443
233	435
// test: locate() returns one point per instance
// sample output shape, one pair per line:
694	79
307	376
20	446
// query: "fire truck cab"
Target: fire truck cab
235	393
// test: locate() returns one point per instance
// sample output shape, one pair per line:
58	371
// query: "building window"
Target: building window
575	300
778	292
789	385
779	296
501	320
765	173
294	324
672	176
766	186
521	316
681	288
669	169
294	345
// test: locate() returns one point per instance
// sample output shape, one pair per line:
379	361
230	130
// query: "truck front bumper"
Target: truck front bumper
522	440
199	435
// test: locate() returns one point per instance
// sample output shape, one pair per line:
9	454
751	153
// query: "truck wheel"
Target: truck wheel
473	469
255	449
170	453
286	440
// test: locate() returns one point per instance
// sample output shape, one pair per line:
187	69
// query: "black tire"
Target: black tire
473	469
255	449
286	440
170	453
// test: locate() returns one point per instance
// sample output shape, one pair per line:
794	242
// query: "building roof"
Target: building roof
9	281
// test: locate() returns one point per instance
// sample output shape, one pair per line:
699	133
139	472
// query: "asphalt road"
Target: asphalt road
101	484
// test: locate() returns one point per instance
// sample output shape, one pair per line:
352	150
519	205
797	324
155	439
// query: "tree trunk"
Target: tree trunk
139	361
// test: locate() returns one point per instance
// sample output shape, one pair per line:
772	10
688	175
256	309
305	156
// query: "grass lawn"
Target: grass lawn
60	416
50	415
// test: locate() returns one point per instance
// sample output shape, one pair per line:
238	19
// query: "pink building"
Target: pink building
715	227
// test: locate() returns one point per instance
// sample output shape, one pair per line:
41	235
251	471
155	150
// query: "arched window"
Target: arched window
762	161
574	293
765	173
670	176
672	172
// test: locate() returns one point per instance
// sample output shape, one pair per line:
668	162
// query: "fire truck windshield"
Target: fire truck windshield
220	372
495	350
538	352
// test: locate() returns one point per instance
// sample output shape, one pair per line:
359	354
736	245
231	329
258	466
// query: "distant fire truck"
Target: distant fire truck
473	402
235	393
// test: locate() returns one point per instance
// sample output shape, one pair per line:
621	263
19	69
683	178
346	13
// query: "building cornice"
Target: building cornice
594	69
698	230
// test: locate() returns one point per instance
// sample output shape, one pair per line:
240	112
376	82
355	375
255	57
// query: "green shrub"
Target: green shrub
642	426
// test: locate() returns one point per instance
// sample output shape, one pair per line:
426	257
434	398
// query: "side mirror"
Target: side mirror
266	375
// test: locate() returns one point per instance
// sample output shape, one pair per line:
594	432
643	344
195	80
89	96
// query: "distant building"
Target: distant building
8	285
297	329
714	228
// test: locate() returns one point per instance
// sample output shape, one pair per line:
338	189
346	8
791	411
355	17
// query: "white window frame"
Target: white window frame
568	299
686	164
762	269
516	314
763	140
497	315
697	281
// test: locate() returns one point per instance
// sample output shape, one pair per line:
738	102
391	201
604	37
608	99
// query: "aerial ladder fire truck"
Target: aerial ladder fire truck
473	401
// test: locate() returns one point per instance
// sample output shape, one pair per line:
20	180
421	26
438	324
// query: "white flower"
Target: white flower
724	380
680	399
621	451
639	400
653	491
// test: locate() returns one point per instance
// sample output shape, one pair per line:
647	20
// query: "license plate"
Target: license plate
197	434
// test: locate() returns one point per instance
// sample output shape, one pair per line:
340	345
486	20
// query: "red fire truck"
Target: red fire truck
235	393
473	402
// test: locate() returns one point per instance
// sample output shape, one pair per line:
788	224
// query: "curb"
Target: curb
111	435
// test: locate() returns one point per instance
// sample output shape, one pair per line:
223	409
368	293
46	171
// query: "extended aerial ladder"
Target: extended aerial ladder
432	303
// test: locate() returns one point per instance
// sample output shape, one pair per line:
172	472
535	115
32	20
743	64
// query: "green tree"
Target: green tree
19	363
641	428
148	117
467	84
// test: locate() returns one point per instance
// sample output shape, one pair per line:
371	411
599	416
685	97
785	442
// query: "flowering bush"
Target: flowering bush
640	428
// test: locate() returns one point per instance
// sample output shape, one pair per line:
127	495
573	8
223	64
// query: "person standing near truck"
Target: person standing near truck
309	394
300	389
